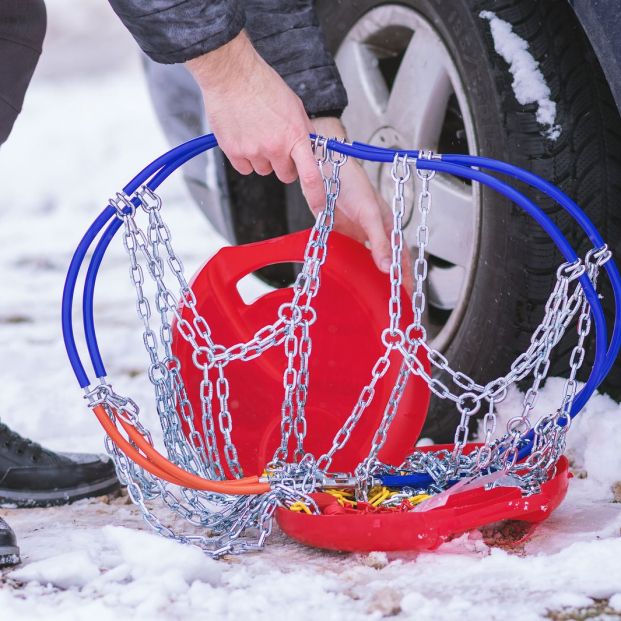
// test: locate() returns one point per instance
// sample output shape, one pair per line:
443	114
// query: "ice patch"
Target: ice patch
529	85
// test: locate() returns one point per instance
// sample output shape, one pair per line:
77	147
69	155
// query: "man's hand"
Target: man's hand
260	123
361	212
261	126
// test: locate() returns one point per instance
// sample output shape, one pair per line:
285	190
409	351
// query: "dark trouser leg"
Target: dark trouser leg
22	28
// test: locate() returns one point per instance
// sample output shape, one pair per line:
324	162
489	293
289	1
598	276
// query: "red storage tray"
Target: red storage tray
412	531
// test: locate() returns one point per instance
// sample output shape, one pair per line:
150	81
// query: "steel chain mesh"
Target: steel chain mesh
236	524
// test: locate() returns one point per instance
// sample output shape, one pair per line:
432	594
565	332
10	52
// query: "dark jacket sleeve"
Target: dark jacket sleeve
285	32
288	36
173	31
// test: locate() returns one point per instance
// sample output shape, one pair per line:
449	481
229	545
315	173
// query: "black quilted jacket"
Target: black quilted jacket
285	32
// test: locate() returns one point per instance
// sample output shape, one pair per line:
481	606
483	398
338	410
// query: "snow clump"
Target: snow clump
529	85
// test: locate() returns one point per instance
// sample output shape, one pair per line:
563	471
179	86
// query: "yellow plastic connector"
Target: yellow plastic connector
300	507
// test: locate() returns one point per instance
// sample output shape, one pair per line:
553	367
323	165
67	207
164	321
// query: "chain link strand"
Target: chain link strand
235	524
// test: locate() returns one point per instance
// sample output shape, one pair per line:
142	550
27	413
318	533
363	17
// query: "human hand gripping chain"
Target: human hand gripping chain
271	135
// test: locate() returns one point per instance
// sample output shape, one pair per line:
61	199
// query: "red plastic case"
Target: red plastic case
352	312
401	531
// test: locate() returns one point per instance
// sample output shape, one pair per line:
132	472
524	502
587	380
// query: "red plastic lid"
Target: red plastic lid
400	531
352	312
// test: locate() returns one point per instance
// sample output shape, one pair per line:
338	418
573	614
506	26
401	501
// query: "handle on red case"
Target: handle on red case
239	261
348	259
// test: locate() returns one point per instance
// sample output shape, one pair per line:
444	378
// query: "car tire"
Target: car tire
516	263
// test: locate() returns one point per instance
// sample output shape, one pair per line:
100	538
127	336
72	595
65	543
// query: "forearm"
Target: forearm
284	32
330	127
262	123
217	70
287	34
170	31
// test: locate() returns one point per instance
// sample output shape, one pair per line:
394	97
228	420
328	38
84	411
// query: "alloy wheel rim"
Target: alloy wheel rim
405	92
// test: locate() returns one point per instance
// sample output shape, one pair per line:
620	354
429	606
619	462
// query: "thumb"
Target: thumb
381	250
309	175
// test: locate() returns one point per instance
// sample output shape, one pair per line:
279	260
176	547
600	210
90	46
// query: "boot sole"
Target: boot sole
9	556
55	497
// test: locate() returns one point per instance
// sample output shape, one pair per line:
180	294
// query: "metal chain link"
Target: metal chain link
238	524
299	313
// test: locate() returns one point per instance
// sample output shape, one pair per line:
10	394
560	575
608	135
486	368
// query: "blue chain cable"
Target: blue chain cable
459	165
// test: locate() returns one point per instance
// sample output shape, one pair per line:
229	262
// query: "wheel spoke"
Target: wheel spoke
366	89
445	285
452	222
420	93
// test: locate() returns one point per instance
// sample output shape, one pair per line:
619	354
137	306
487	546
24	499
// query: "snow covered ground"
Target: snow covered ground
86	127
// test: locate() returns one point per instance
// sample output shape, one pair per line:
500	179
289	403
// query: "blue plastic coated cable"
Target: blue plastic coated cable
585	223
457	165
164	162
555	234
69	290
89	295
385	155
203	143
100	251
185	152
599	372
188	150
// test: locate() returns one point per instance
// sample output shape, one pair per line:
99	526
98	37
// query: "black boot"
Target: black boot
31	476
9	552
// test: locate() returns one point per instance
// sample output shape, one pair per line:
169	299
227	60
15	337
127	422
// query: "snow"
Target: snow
129	572
589	445
131	569
529	85
84	131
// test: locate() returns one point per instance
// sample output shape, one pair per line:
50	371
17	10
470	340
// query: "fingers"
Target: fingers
372	221
310	177
278	161
262	166
284	168
241	165
407	270
407	279
381	250
244	166
380	245
345	225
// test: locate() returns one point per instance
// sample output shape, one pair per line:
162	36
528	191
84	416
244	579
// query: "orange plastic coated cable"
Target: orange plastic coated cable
128	449
155	463
174	470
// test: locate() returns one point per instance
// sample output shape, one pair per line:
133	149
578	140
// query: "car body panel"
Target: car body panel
601	21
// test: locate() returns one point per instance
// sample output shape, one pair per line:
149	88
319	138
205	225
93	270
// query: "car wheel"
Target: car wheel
427	75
